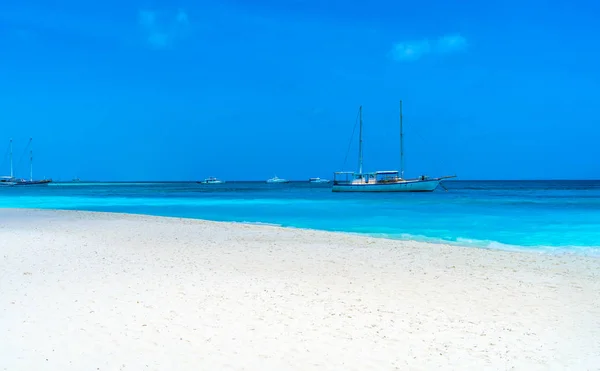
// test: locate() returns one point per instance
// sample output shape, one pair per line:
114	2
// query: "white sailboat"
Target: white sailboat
10	180
30	182
382	181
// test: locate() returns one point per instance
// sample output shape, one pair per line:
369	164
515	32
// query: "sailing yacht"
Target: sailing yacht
382	181
12	181
9	180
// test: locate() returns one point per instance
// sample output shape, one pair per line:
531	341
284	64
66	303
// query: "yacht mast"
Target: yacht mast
11	158
360	151
30	161
401	145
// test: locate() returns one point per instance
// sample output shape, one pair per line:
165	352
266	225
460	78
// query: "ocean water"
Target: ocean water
546	216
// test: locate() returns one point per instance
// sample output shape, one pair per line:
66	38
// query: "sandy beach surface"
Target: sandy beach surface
99	291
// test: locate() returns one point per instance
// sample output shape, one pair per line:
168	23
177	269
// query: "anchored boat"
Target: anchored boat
276	179
10	179
13	181
382	181
6	181
211	180
30	181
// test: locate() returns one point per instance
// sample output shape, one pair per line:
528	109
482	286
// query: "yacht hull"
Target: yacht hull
428	185
33	183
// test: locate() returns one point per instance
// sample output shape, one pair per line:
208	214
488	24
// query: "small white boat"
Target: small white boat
7	181
382	181
318	180
276	179
212	180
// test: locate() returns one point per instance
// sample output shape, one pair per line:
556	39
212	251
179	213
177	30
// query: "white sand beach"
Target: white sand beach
100	291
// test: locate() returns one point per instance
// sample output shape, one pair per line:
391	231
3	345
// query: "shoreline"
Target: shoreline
567	250
97	290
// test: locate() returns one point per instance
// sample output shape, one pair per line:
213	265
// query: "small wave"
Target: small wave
259	223
591	251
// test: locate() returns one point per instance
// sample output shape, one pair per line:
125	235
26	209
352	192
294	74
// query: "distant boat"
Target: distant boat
318	180
211	180
7	181
275	179
30	182
76	180
382	181
10	179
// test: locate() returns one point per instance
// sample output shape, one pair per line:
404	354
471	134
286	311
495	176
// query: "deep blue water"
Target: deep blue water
542	215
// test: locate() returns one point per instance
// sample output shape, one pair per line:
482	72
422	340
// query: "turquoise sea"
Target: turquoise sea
549	216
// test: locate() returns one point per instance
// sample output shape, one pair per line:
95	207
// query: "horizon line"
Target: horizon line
303	180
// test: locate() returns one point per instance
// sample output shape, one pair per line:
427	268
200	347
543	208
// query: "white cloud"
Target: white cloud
413	50
410	51
162	32
451	43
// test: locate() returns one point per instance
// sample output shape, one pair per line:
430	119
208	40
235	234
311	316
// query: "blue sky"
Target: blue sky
245	90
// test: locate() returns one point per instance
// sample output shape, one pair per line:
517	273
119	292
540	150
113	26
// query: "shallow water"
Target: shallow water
554	216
